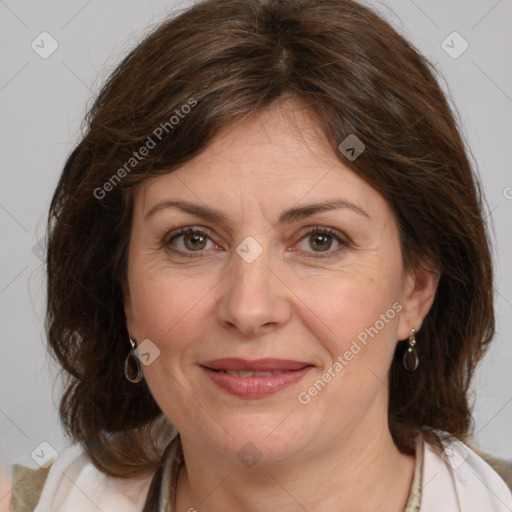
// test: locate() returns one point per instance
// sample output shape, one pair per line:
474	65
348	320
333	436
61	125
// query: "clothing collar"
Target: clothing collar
454	479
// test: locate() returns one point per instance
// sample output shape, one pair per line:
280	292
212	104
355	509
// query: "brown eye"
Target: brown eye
188	240
321	241
194	241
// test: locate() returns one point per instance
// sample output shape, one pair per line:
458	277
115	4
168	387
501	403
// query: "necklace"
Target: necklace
162	491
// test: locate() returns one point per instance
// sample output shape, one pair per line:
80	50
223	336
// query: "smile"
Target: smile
254	379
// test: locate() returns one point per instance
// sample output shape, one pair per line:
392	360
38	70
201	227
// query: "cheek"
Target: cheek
170	312
166	308
353	305
362	313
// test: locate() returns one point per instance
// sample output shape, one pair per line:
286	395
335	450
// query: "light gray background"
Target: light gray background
42	106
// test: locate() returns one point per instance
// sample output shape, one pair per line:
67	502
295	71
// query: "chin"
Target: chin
262	439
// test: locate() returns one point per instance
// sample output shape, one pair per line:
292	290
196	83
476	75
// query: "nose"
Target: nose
254	298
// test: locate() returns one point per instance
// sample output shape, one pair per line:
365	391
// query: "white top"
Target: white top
74	484
455	480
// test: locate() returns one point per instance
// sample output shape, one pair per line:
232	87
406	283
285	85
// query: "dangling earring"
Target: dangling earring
411	360
132	368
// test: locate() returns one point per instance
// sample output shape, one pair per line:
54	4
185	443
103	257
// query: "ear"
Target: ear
420	286
128	311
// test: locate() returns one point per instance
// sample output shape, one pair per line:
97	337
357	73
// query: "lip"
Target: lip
291	372
256	365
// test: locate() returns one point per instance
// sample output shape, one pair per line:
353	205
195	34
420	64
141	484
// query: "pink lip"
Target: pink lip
256	386
256	365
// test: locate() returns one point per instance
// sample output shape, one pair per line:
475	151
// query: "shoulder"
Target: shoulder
459	479
74	483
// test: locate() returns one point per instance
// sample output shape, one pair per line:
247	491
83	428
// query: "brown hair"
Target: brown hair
226	59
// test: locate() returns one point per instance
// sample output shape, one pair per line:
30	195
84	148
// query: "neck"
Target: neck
359	473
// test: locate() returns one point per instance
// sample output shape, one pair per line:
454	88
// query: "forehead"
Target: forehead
278	155
278	137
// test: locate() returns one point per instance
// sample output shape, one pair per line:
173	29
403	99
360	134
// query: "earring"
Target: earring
132	368
411	359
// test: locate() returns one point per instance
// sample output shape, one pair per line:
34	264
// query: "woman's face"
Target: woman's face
313	299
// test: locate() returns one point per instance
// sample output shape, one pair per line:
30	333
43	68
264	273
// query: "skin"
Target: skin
286	304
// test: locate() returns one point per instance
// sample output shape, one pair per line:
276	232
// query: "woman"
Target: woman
268	274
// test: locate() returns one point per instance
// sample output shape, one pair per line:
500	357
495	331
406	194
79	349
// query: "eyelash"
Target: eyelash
168	238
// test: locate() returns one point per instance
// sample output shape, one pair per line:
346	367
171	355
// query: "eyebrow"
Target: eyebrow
287	217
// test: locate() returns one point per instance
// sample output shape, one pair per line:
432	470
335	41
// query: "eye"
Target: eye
188	240
193	241
321	240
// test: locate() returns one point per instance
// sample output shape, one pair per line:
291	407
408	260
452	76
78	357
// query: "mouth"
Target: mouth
257	378
244	374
